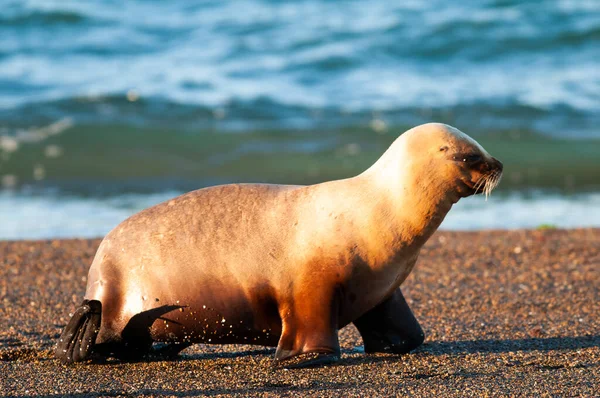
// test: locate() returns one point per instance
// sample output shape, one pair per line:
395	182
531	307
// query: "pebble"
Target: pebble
526	326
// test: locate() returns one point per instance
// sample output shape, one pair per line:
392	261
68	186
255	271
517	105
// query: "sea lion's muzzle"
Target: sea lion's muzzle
496	165
487	176
489	166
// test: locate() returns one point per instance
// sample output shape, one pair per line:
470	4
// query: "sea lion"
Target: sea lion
279	265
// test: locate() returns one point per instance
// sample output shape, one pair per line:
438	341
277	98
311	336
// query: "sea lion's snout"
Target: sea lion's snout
497	164
486	176
490	165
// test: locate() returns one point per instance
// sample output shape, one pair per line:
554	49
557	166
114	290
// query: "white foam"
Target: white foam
56	216
519	210
226	50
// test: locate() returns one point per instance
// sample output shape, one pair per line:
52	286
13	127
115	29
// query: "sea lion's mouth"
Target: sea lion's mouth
486	182
486	177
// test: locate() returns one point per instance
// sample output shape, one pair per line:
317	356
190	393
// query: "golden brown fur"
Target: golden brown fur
286	265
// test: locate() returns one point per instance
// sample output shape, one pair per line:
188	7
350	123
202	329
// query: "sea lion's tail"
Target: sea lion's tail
79	336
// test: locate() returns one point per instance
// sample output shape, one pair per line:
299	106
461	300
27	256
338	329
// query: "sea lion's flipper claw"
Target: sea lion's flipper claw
390	327
79	336
306	360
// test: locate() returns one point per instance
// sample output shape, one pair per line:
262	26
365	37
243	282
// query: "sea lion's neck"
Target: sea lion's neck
408	206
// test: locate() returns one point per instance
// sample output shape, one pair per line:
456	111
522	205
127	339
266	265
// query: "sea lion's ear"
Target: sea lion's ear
444	148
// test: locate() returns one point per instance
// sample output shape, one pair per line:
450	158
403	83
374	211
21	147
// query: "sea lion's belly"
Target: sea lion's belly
210	299
204	309
230	319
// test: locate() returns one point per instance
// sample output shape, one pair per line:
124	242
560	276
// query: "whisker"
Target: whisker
479	183
488	186
493	183
487	183
499	178
496	180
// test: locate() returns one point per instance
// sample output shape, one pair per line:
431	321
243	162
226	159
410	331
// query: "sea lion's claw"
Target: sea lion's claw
306	360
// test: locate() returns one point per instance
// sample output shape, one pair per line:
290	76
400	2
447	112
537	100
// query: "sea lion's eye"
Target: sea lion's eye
468	158
472	158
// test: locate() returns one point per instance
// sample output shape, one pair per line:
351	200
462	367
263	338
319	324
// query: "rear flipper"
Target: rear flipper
79	336
168	350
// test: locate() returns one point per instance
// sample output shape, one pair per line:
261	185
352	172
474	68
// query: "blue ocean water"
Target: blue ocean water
105	102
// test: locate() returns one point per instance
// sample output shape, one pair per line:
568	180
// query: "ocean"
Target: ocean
107	107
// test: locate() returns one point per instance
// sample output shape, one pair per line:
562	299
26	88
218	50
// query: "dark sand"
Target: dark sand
505	313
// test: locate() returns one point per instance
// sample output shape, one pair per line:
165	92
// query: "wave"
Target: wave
41	18
173	94
436	54
125	158
264	113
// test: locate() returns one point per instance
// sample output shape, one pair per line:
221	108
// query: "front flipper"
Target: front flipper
309	335
390	327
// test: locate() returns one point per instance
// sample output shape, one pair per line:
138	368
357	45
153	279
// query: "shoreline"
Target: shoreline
67	216
504	313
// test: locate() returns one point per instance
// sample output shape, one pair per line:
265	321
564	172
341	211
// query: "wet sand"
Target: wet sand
505	313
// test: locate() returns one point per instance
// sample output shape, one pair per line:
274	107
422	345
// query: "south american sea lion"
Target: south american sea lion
279	265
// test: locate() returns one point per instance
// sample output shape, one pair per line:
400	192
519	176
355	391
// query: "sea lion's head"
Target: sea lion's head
446	159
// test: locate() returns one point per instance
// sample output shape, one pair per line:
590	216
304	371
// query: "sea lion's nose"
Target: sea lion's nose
498	164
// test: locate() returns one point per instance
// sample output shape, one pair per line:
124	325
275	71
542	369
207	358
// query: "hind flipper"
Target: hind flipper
79	336
168	350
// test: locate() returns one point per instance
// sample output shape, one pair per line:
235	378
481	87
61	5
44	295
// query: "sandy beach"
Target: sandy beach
505	313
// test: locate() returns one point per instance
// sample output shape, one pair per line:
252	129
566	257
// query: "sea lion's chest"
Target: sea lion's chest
372	284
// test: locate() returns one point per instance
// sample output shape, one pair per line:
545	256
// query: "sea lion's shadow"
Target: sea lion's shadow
136	344
186	356
436	348
139	326
264	351
492	346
